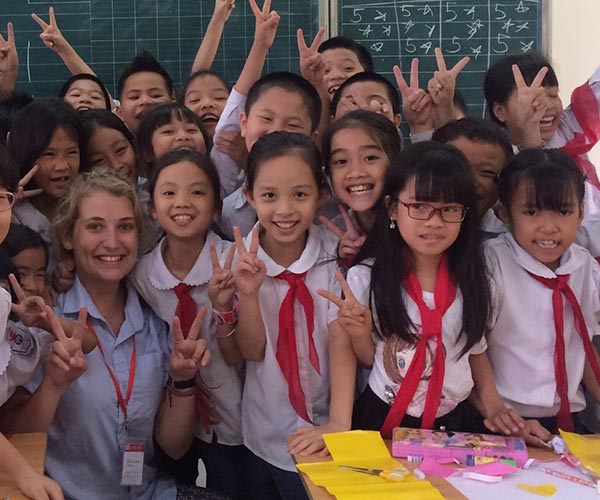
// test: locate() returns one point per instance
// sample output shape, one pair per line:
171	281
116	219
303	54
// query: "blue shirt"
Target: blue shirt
88	434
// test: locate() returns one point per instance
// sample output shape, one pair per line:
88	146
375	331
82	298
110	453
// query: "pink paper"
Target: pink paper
448	460
433	468
494	469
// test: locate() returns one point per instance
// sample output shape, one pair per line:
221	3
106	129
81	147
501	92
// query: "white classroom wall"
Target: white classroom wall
574	46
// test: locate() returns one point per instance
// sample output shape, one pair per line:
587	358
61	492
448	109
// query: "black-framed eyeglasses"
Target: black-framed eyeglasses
424	211
7	200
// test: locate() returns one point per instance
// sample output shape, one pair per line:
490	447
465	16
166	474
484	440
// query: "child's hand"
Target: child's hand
37	486
21	194
352	316
309	440
441	89
64	275
312	66
352	102
9	58
416	103
31	310
350	240
530	107
51	35
505	421
266	24
188	354
223	9
231	143
249	271
221	287
535	434
66	363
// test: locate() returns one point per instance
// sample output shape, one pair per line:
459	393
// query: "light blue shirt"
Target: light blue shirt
88	434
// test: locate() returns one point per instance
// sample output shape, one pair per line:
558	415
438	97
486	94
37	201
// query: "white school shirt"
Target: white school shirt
238	212
156	284
490	223
588	234
521	340
393	358
267	415
5	346
230	175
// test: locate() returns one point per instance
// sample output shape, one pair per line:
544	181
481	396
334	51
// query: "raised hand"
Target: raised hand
31	310
266	23
249	271
231	143
223	9
352	316
66	363
416	103
51	35
9	61
190	353
312	66
221	287
441	88
21	194
350	240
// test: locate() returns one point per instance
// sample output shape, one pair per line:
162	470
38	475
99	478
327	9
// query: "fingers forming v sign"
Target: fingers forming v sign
442	85
249	271
31	310
350	240
190	353
21	193
51	35
312	65
9	58
266	23
416	103
221	287
352	316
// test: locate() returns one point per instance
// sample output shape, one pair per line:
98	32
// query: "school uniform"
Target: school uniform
88	433
230	175
521	342
491	225
5	346
268	416
238	212
156	285
393	358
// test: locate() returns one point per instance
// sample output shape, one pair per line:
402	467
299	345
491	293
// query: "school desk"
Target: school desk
445	488
33	448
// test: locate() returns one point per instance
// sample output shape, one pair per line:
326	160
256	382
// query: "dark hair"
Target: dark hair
290	82
441	174
378	127
203	162
8	108
7	268
368	76
199	74
20	238
94	119
156	118
500	82
460	103
86	76
277	144
476	130
145	62
342	42
551	175
34	126
9	170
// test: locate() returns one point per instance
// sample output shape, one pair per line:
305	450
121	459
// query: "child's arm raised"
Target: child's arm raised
221	289
9	63
249	274
212	37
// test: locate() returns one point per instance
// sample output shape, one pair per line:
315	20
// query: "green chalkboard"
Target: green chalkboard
108	33
395	31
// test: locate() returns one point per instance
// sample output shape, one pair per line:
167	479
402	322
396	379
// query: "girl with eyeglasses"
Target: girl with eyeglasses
417	302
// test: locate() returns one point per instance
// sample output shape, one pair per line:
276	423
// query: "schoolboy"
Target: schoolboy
487	149
143	84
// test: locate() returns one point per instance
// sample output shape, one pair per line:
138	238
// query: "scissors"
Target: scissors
395	474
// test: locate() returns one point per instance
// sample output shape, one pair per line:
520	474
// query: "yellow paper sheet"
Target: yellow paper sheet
585	449
363	449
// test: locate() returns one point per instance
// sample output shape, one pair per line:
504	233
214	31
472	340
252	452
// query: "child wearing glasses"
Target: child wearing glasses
416	305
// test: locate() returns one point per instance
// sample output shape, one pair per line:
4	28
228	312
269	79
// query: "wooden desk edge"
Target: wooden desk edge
33	447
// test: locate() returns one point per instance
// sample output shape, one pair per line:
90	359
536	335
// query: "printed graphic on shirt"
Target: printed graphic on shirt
21	342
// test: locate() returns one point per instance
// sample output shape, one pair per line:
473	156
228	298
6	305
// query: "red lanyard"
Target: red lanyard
122	402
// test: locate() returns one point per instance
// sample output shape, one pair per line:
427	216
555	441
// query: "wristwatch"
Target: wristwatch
181	384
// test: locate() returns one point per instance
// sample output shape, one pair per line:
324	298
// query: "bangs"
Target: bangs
550	188
443	182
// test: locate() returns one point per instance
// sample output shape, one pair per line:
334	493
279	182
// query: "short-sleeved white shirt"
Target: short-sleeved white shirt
522	337
156	284
268	416
393	357
237	212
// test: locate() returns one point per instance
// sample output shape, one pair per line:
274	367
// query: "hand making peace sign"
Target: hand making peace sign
190	353
416	103
21	194
221	287
249	271
51	35
312	66
350	240
266	23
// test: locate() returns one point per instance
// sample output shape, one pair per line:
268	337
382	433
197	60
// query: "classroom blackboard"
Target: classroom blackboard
396	31
108	33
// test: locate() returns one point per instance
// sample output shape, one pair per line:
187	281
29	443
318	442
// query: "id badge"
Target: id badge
133	463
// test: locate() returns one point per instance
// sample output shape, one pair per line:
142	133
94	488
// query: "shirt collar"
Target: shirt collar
239	198
307	259
161	277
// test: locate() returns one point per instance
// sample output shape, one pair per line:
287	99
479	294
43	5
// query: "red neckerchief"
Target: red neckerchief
560	285
431	321
186	308
287	353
